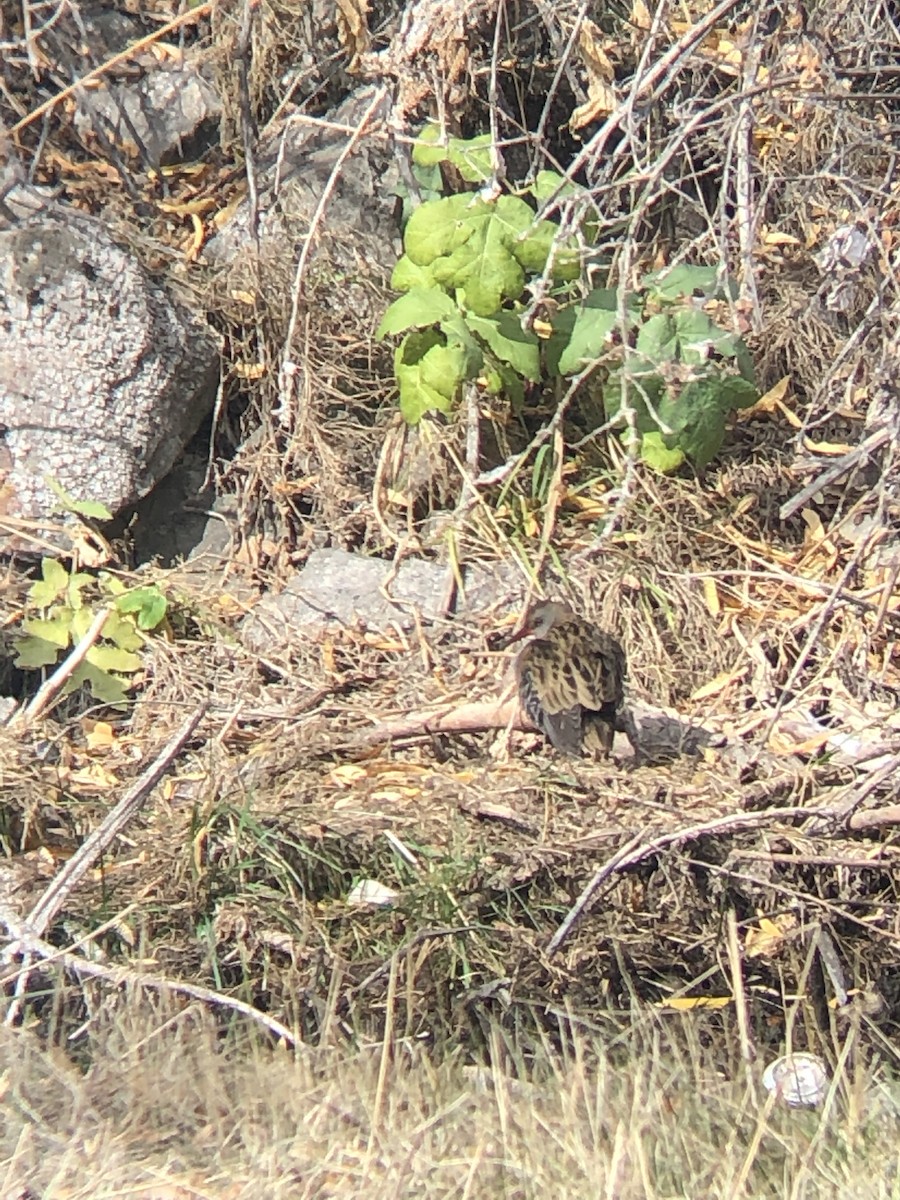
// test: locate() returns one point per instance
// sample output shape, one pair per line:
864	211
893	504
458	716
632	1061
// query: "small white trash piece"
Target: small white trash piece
373	894
800	1080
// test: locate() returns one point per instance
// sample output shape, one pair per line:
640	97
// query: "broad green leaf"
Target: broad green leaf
106	688
439	227
509	342
34	652
460	337
549	183
683	280
656	454
57	630
123	632
148	603
738	392
695	416
112	658
594	322
55	580
472	245
408	275
472	157
82	508
81	621
415	310
426	151
657	338
533	249
429	374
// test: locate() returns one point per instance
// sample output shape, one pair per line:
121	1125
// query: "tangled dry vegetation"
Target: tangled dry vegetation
734	902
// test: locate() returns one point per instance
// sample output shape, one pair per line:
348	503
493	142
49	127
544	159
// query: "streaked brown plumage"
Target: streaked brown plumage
571	677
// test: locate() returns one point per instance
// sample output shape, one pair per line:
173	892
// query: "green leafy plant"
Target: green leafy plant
669	374
64	606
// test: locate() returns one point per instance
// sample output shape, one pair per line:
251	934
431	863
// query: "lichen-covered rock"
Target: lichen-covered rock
103	376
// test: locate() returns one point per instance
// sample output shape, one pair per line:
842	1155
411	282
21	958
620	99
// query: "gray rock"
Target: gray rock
103	376
171	112
339	588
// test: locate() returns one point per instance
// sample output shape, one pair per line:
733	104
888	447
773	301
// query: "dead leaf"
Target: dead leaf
353	30
601	76
688	1003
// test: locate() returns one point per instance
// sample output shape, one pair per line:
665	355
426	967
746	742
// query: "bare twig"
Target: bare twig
636	851
50	689
26	941
106	833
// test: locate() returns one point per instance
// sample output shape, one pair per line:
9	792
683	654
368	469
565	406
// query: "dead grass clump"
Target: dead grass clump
663	1115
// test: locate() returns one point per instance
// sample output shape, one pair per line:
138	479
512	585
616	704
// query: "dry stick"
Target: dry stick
244	51
48	691
80	863
633	852
287	365
746	224
36	947
461	718
186	18
105	834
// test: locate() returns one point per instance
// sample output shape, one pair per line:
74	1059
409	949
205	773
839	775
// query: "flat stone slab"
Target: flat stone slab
340	588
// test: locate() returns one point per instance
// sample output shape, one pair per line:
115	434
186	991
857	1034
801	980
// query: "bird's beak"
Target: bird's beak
517	637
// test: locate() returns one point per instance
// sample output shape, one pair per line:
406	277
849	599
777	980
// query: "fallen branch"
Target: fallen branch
25	941
635	852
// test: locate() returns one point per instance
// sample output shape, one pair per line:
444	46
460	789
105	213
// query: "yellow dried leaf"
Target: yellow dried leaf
688	1003
249	370
768	937
711	596
835	449
640	15
768	403
100	735
542	329
248	298
347	774
719	683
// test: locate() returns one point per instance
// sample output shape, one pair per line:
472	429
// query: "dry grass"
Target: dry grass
168	1108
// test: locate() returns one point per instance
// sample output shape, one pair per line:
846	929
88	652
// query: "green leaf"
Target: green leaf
148	603
108	689
123	632
408	275
738	392
33	653
658	456
57	630
684	280
439	227
81	621
657	338
426	151
503	379
472	157
474	246
533	251
112	658
82	508
509	342
429	373
549	183
594	322
419	308
55	580
695	416
644	389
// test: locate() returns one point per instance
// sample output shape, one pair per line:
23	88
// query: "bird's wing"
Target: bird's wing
590	669
548	698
